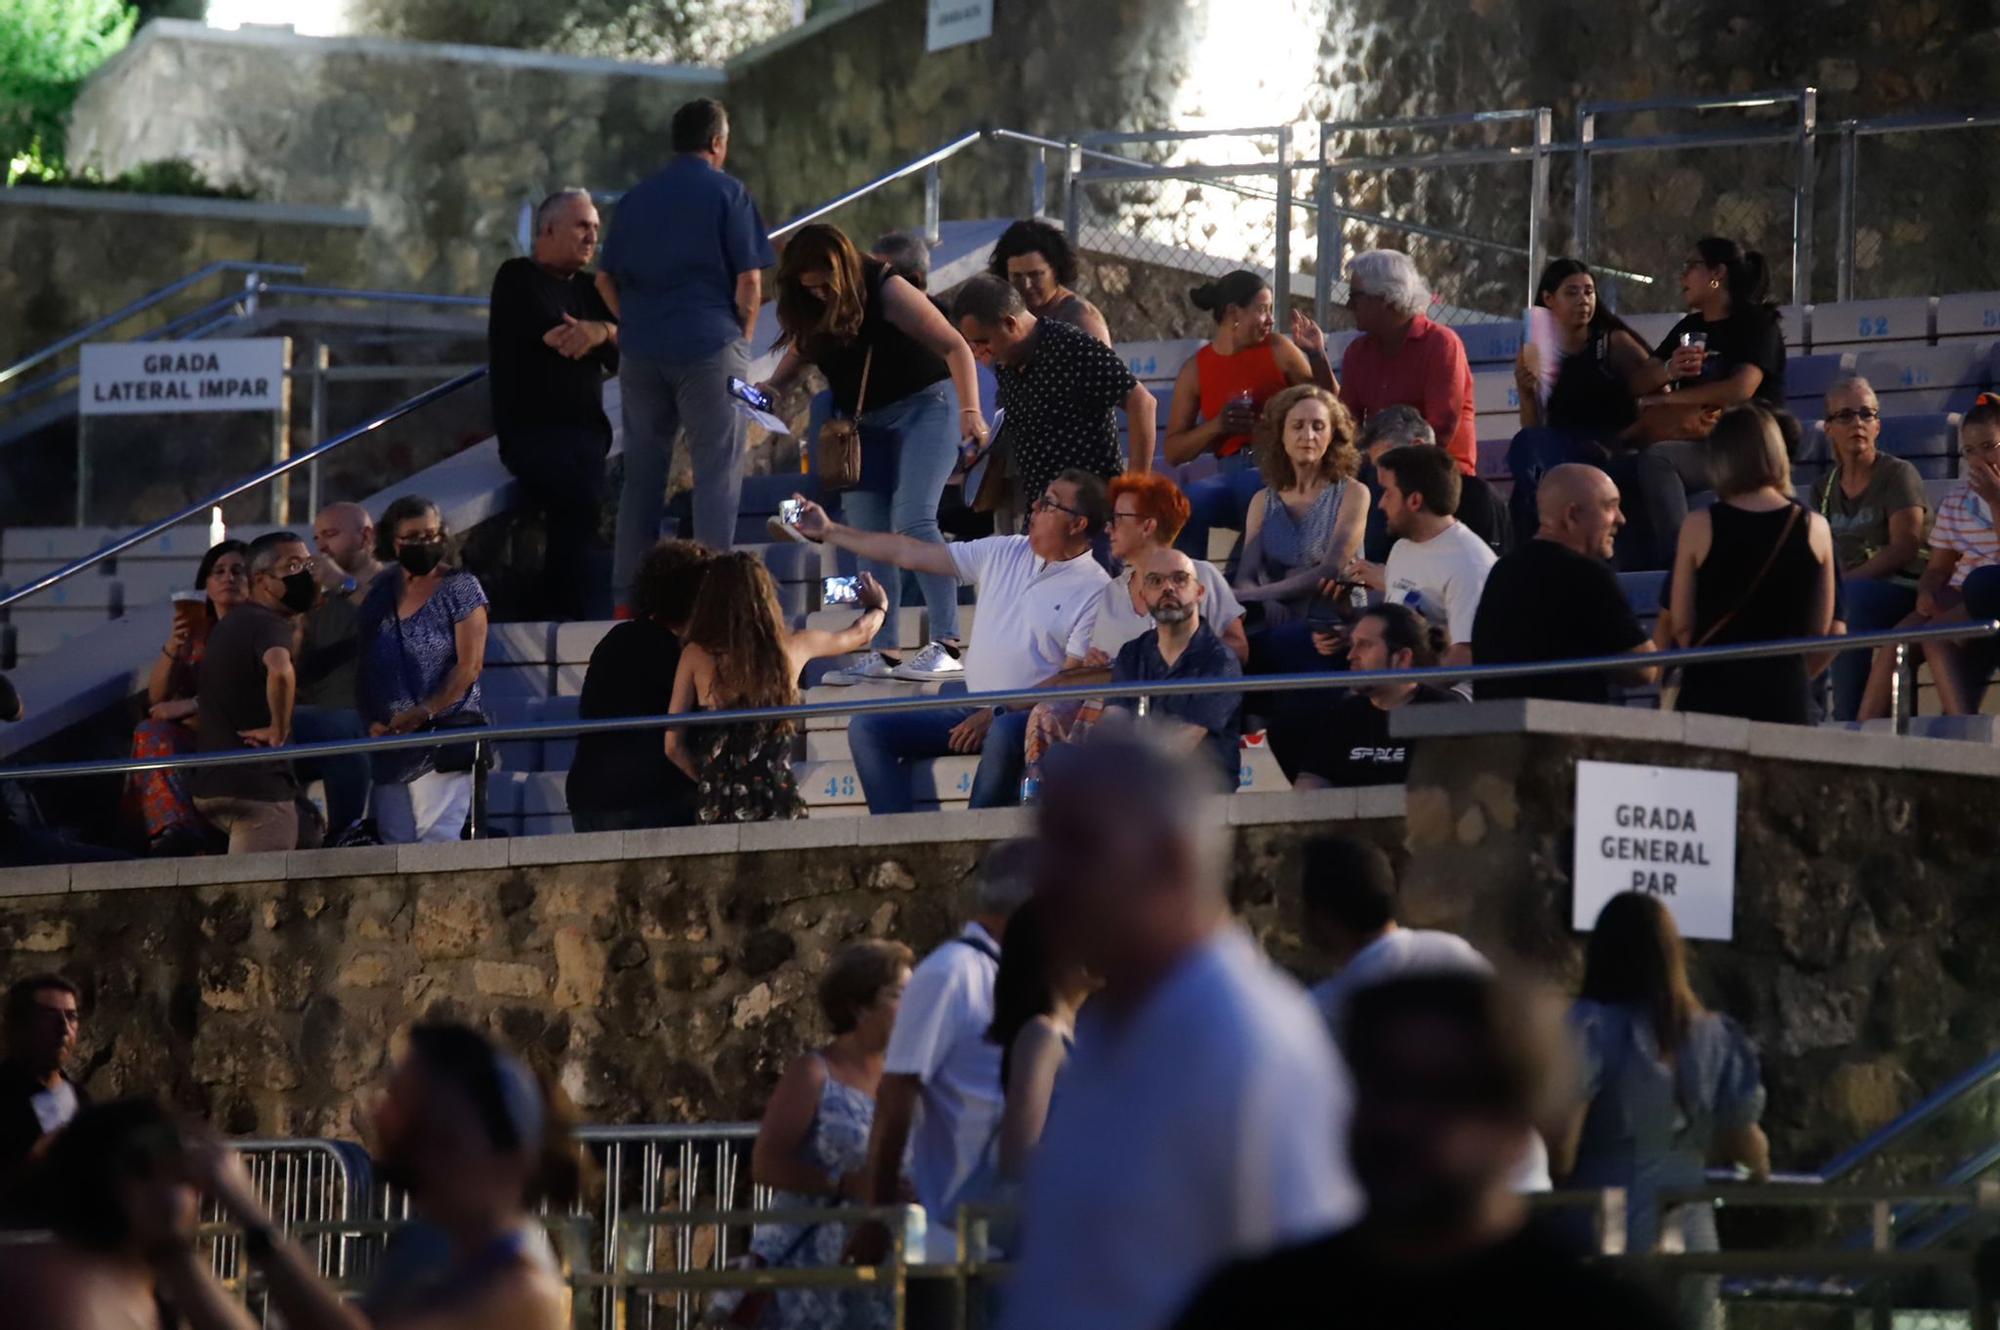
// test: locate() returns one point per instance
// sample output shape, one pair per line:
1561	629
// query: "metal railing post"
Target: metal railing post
1586	131
1802	202
1038	183
475	820
253	287
1538	200
1326	266
1843	267
1072	178
1281	260
933	187
1897	698
322	360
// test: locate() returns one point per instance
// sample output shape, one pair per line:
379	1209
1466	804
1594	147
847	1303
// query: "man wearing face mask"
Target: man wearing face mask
248	686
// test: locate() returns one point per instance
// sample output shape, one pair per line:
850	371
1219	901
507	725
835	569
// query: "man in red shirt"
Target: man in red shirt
1403	359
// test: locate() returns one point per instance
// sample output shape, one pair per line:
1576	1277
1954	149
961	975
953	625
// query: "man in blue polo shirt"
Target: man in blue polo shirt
682	272
1180	646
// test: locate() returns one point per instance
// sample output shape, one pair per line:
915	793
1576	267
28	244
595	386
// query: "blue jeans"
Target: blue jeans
659	401
1871	606
884	745
347	778
1221	500
908	451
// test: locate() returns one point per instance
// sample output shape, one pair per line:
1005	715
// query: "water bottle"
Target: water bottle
1031	790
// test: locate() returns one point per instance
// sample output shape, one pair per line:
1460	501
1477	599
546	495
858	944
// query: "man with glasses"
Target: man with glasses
1179	646
36	1098
1038	598
249	684
1875	505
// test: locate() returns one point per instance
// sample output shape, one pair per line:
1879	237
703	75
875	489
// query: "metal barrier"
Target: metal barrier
1896	240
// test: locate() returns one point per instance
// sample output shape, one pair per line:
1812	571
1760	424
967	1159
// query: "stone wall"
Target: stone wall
1866	884
657	976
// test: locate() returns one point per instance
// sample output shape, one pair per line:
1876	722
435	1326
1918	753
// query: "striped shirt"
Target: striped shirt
1965	525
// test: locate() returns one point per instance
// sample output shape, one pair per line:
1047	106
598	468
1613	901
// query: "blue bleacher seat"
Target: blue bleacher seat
1929	442
1968	314
1862	322
1642	591
1489	344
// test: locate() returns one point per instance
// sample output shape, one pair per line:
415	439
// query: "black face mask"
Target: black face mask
301	592
420	560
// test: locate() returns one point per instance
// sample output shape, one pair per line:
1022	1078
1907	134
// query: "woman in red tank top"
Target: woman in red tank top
1220	391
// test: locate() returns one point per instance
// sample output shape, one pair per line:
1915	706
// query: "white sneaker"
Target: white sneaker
871	668
933	663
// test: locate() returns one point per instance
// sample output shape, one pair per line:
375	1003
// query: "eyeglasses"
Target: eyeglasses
1046	504
1179	580
290	567
1128	517
421	538
1854	414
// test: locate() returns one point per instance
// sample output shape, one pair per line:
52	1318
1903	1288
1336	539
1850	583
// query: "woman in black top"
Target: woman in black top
1730	349
623	780
851	316
1594	397
1755	567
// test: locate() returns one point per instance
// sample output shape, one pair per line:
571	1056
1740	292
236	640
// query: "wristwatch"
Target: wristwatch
998	712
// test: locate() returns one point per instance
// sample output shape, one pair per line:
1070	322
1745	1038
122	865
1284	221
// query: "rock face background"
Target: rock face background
653	990
1866	920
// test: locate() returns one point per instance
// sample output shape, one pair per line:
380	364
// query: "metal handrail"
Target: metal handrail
1936	1102
372	296
1267	683
199	510
143	303
903	172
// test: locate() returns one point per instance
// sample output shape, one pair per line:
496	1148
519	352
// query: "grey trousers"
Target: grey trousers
659	401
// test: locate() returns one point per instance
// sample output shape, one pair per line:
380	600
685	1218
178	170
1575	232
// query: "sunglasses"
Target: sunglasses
1854	414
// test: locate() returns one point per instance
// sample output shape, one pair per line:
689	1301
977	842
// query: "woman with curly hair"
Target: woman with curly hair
1035	259
1308	520
739	655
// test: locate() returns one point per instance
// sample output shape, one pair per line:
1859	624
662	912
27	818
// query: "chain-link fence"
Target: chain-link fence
1678	170
1915	207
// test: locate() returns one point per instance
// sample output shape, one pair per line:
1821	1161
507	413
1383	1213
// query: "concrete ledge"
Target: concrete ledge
175	205
673	842
1260	810
1826	745
349	861
121	875
971	824
800	834
52	880
455	856
575	848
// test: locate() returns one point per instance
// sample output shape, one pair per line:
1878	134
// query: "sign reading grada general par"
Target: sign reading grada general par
170	378
1667	831
955	22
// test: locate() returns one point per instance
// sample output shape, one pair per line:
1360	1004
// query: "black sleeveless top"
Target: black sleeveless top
901	366
1589	397
1779	607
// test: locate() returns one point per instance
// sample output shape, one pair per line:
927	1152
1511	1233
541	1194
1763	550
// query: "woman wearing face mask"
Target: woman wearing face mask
1595	394
481	1142
423	643
1035	259
158	801
1220	392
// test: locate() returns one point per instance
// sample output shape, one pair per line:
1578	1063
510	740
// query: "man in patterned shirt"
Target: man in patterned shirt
1059	387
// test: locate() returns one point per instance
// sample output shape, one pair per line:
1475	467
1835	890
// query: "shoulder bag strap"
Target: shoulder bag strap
861	396
1755	582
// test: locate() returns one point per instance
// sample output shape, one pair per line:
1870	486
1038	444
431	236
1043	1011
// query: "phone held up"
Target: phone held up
840	591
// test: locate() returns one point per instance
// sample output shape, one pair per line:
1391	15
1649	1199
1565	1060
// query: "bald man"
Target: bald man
329	657
1556	597
1203	1114
1180	646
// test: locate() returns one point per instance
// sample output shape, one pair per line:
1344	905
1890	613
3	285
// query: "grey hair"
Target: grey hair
1005	877
546	209
1848	382
906	252
1401	426
264	550
1390	274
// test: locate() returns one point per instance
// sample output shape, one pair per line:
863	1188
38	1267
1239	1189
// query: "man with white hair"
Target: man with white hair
1402	357
551	342
1202	1116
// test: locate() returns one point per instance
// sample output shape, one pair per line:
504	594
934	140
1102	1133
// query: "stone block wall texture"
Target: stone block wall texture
652	990
1866	927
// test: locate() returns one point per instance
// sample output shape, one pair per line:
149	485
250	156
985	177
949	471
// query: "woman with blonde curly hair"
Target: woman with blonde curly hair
740	655
1308	520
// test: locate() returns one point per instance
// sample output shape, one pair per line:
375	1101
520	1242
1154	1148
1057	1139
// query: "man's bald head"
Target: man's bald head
345	533
1578	507
1168	585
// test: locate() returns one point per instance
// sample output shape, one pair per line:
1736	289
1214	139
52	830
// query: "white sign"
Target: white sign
1667	831
172	378
956	22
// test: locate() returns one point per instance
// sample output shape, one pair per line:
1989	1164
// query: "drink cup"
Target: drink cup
189	609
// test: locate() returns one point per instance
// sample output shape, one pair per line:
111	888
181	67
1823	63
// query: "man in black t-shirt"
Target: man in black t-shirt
249	684
552	342
1556	598
1450	1072
1059	386
1350	744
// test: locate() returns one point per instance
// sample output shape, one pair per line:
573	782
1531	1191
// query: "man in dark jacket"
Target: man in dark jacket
35	1097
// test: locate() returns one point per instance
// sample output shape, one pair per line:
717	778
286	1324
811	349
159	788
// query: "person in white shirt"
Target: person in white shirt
1437	566
940	1098
1349	891
41	1021
1038	599
1203	1115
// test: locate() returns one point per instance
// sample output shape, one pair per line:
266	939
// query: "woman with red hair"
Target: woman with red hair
1147	512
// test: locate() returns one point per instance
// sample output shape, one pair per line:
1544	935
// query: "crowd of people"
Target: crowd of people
1168	1129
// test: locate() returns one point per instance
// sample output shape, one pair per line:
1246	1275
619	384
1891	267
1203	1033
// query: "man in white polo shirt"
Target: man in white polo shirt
1038	597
